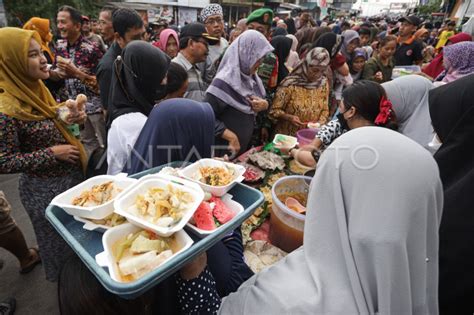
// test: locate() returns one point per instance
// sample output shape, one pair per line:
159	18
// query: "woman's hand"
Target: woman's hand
295	121
234	144
258	104
194	268
66	152
77	118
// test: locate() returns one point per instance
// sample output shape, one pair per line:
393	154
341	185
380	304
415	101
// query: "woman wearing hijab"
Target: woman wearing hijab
350	43
303	96
362	253
174	123
237	94
168	42
43	28
339	68
435	68
136	86
282	46
293	58
34	141
304	37
454	126
458	61
409	96
279	31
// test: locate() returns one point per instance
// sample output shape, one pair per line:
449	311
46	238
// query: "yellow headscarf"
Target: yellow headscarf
20	96
42	27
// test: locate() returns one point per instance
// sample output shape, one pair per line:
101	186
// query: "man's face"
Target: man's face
106	27
86	26
450	28
407	29
199	49
67	28
364	40
262	28
215	25
136	33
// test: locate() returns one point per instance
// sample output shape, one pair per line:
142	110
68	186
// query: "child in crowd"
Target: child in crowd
380	68
364	36
358	63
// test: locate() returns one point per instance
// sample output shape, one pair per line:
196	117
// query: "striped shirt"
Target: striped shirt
197	87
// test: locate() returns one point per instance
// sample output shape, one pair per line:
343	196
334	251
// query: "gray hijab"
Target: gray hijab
233	83
409	97
349	36
371	235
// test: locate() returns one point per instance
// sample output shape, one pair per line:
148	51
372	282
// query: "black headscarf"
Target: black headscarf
279	31
174	122
331	42
291	28
136	80
452	115
282	45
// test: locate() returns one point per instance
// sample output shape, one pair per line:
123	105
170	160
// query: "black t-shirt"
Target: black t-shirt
407	54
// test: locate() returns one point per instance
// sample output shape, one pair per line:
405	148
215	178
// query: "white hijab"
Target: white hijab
409	96
371	235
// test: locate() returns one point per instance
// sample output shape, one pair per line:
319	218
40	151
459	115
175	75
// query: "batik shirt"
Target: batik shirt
85	55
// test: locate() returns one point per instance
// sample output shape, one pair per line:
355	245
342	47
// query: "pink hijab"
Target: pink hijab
164	36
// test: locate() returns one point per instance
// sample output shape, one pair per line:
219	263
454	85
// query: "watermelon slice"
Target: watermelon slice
203	217
221	212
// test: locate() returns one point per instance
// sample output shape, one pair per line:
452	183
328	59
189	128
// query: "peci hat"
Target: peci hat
209	10
197	29
412	19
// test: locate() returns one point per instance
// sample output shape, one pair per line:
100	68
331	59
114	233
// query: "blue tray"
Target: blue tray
87	244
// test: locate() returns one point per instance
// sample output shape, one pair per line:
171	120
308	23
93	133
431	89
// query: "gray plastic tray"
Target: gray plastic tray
87	244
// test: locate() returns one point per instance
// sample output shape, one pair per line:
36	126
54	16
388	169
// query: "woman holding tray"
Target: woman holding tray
363	253
34	140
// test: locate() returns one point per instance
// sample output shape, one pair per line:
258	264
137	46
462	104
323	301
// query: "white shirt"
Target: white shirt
122	136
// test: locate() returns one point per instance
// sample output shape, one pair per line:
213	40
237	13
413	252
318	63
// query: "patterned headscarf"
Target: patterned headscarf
299	76
209	10
460	58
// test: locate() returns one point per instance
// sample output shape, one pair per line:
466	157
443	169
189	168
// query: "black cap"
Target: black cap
198	30
412	19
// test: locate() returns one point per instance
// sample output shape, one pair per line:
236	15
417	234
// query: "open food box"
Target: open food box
88	244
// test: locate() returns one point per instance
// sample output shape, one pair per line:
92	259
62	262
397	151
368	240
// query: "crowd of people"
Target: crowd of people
393	238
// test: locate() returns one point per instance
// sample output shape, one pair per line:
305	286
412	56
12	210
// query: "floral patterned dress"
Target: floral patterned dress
310	105
25	147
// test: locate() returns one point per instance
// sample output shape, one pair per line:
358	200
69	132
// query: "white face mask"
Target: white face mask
435	143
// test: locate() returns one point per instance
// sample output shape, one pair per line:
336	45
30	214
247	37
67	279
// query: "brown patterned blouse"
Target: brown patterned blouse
310	105
25	148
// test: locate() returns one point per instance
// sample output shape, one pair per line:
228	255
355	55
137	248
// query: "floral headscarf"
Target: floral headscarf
299	76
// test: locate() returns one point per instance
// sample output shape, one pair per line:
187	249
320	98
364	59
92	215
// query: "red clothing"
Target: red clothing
338	61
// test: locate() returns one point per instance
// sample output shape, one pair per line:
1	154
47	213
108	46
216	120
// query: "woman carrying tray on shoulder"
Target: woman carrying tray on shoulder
34	141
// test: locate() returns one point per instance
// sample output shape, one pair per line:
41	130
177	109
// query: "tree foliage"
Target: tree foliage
20	11
430	7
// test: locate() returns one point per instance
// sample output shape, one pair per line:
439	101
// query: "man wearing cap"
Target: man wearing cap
213	17
409	50
86	32
193	45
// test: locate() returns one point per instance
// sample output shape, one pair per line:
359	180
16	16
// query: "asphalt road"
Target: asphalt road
33	293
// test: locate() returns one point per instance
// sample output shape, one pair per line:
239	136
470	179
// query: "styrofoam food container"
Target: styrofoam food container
219	191
115	234
233	205
64	200
122	204
292	141
91	226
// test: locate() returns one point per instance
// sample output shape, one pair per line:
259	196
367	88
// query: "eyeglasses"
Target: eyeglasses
214	21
